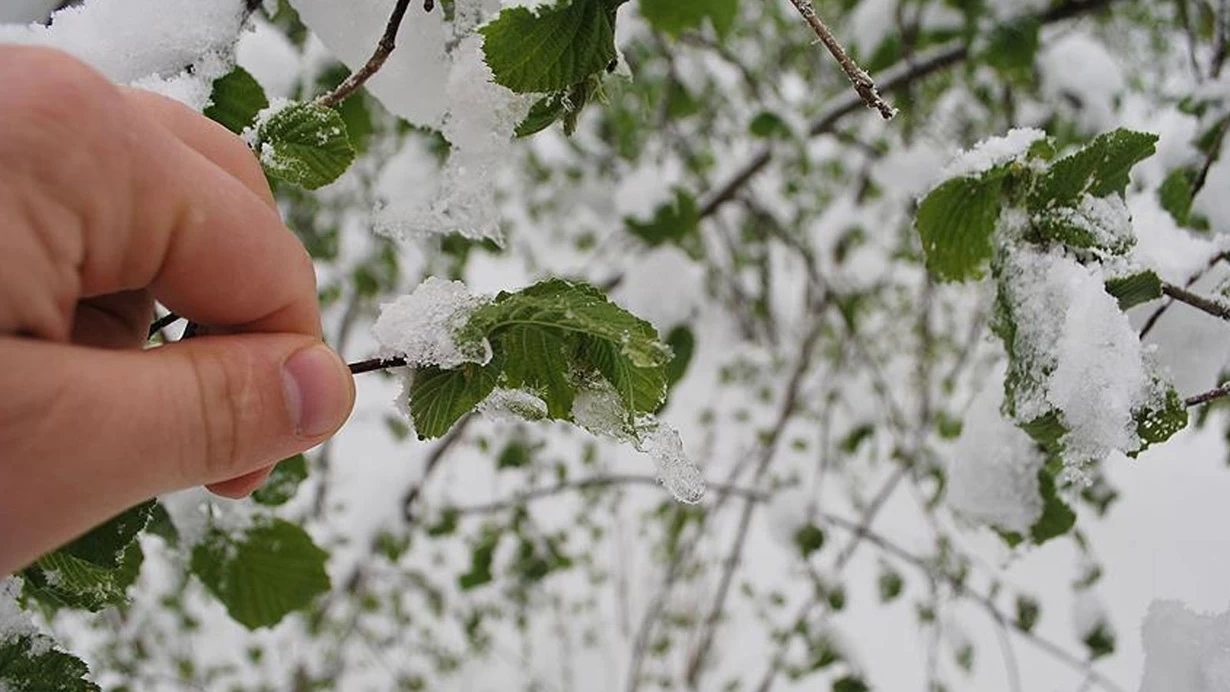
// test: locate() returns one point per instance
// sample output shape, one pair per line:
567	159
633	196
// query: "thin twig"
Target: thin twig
433	461
519	499
374	364
383	49
162	323
1213	307
863	84
1211	395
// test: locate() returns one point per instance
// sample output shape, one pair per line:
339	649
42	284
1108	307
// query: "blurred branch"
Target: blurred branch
520	499
433	460
863	84
1211	395
1213	307
893	79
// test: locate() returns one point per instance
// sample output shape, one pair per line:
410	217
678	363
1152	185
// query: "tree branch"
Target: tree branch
383	49
374	364
519	499
892	80
1213	307
1211	395
863	84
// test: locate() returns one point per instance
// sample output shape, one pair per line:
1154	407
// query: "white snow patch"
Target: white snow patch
992	152
420	327
1185	651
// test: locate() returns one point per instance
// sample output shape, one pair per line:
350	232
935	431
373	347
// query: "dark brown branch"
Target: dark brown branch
374	364
383	49
1213	307
863	84
892	80
162	323
1211	395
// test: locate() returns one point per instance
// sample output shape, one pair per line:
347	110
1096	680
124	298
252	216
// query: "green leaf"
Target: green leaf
236	100
957	221
1027	612
105	546
263	574
671	223
305	144
32	663
1012	46
539	359
809	538
890	585
543	114
283	482
682	344
1100	168
61	579
1159	421
480	560
438	398
1101	641
1134	289
769	125
643	390
850	683
677	16
1176	194
551	50
1057	517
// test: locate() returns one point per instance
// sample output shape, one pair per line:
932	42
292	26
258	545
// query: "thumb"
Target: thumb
87	433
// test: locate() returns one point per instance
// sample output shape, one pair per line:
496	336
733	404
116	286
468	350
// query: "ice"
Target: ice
1076	352
174	47
513	405
1185	651
993	472
421	326
676	472
599	409
992	152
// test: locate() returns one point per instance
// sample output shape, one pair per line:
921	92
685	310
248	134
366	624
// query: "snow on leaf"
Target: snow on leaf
302	143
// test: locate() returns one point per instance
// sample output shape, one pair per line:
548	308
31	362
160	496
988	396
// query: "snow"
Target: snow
676	472
1185	651
599	409
270	57
1072	333
420	326
513	405
1080	68
992	152
174	47
993	469
14	622
1106	219
1088	615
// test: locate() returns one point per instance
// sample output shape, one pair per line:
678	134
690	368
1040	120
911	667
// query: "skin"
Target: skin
111	199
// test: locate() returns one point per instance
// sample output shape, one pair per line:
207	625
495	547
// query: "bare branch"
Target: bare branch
520	499
383	49
1211	395
374	364
863	84
1213	307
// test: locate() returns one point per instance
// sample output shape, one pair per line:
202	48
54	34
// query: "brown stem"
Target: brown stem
1213	307
1211	395
374	364
383	49
863	84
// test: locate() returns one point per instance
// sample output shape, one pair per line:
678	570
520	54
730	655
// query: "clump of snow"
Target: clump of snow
270	57
13	620
599	409
992	152
513	405
993	472
421	327
1184	650
1078	68
1076	352
676	472
174	47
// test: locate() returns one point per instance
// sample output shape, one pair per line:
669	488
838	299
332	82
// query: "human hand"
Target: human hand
111	199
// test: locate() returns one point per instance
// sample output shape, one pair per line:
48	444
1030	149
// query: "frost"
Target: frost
1074	351
993	474
174	47
1106	221
676	472
992	152
512	405
1184	650
599	410
421	326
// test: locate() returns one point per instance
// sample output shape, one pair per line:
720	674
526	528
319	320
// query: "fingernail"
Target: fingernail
317	390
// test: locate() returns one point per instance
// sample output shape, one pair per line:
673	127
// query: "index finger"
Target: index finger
143	208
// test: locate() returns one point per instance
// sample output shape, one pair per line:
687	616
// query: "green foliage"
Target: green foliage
1164	417
559	46
675	222
1057	517
95	570
305	144
1011	47
850	683
1101	641
1134	289
480	560
1177	193
283	482
1100	168
438	398
31	663
809	538
262	574
236	100
677	16
1028	610
957	222
889	584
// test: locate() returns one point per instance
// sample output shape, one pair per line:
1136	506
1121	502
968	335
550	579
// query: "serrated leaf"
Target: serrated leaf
1100	168
60	579
539	359
32	663
1134	289
236	100
305	144
283	483
551	50
1159	422
438	398
957	221
677	16
543	114
105	545
263	574
643	390
1176	194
